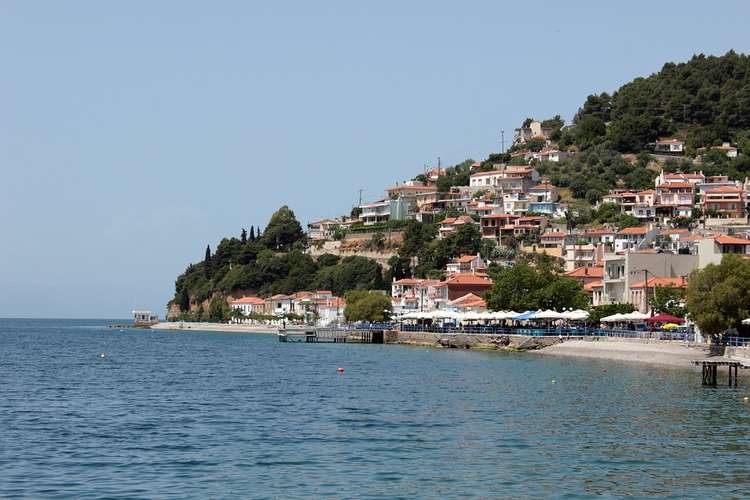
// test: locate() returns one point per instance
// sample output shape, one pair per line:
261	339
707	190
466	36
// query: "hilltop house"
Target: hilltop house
470	264
669	146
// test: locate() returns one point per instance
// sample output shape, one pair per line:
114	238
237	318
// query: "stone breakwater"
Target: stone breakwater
500	342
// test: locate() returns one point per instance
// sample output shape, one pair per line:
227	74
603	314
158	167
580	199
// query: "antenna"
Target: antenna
360	198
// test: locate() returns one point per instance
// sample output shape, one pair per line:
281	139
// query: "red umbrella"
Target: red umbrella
665	318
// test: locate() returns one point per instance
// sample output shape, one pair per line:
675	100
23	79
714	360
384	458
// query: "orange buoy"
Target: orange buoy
340	370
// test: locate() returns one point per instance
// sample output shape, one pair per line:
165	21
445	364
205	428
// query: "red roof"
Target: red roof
654	282
731	240
500	216
544	186
466	258
634	230
554	234
676	185
586	272
468	279
248	300
723	189
589	287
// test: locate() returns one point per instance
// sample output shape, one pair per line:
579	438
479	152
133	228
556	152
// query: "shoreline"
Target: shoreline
650	352
215	327
659	353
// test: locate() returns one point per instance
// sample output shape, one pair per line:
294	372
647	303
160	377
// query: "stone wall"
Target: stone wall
512	342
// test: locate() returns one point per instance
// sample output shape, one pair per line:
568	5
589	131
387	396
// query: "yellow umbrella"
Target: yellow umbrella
669	326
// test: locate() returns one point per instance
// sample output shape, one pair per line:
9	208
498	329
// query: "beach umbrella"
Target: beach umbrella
665	318
670	326
524	316
612	318
472	316
548	314
634	316
577	315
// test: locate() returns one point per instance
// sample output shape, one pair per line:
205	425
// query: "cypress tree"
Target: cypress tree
252	233
184	300
243	236
207	261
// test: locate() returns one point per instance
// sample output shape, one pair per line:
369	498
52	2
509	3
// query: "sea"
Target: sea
88	411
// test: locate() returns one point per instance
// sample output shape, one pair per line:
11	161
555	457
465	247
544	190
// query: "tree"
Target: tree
523	287
218	309
367	306
200	314
599	312
243	236
718	297
283	230
207	262
184	300
668	300
252	234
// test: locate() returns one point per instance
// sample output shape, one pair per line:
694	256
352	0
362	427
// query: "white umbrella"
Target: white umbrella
634	316
746	321
486	315
471	316
612	318
446	314
498	315
577	315
548	314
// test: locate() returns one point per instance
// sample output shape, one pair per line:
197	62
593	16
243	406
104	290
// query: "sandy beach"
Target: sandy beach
653	352
215	327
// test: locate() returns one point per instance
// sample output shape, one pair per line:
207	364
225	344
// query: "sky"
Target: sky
133	134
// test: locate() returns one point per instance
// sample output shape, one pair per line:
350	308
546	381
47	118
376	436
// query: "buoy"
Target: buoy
745	399
340	370
103	355
605	370
553	381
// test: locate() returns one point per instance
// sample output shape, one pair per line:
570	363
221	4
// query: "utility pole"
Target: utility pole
502	141
360	198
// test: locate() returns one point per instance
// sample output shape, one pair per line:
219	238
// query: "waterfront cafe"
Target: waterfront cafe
472	320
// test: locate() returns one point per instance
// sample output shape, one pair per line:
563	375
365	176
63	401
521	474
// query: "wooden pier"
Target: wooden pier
711	369
332	336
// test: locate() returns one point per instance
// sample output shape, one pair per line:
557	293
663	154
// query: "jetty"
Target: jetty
331	335
711	368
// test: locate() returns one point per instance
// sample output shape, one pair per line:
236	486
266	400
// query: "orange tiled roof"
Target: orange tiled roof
634	230
248	300
731	240
586	272
468	279
654	282
589	287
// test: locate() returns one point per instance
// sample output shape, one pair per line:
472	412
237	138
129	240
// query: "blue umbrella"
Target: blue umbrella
524	316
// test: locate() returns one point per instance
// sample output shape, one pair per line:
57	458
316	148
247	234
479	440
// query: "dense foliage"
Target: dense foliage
524	287
423	255
367	306
718	297
707	97
668	300
270	263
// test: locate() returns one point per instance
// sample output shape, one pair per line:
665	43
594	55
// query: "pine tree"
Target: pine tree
252	233
243	236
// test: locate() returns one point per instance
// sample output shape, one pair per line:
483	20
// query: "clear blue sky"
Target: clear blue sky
134	133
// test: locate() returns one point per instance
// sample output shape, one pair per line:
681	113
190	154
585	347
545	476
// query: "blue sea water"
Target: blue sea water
215	415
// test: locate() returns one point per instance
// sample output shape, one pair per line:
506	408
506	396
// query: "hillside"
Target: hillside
704	102
268	263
